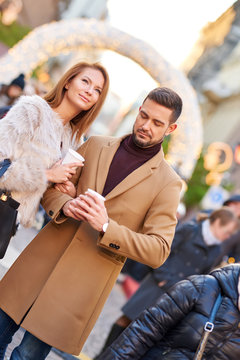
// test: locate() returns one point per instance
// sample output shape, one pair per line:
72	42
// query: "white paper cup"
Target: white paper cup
72	157
97	194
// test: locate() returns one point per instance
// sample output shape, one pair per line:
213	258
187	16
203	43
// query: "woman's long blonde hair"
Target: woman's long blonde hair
81	122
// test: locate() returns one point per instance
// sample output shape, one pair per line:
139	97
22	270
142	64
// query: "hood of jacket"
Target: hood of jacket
228	279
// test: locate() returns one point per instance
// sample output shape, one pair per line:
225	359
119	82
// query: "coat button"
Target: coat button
111	245
117	247
51	212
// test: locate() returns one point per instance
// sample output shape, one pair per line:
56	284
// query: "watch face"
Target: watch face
105	227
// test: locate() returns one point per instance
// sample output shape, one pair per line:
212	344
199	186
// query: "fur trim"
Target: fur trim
31	137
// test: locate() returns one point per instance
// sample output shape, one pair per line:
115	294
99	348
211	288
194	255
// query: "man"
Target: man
232	245
75	260
234	203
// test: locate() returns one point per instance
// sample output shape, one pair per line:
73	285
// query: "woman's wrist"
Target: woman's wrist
49	175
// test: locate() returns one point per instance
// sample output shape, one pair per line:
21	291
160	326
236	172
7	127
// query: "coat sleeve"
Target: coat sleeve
150	246
152	325
27	171
53	200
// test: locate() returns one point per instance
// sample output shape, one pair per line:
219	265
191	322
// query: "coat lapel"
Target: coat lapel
105	159
132	179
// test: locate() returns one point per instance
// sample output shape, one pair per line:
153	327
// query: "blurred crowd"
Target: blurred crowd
9	93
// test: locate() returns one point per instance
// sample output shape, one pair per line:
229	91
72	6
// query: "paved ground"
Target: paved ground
109	314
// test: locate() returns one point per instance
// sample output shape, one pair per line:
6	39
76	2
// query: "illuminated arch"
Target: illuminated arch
64	36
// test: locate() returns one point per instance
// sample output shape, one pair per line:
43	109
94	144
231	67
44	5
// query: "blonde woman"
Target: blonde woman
37	132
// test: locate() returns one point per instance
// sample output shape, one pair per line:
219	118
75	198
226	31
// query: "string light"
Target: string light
50	40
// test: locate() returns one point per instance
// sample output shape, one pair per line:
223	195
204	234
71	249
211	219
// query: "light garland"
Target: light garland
52	39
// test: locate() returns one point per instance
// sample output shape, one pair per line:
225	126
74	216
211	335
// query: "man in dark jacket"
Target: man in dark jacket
172	328
197	247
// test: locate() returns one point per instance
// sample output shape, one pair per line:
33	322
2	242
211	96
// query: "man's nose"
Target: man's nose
147	124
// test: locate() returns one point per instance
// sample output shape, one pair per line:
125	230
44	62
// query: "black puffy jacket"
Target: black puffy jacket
172	328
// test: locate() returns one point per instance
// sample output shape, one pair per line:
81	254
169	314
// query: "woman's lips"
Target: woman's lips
84	98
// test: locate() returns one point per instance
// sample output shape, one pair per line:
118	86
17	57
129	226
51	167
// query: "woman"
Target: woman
36	133
172	328
197	247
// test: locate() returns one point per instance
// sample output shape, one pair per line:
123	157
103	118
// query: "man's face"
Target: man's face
223	232
152	124
14	91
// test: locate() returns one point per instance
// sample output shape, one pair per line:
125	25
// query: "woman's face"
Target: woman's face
222	232
83	90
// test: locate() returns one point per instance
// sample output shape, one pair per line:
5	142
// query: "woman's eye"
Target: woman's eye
98	91
85	80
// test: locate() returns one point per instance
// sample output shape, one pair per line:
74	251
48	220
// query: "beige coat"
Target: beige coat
67	272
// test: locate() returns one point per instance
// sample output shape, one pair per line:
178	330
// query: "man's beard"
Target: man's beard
139	143
144	144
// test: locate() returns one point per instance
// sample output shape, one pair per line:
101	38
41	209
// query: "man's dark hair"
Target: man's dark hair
168	98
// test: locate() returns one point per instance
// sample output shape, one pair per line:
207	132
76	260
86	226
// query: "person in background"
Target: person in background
172	328
197	247
10	93
76	258
234	203
231	245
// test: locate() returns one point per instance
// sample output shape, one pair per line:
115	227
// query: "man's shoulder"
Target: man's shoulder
102	140
169	171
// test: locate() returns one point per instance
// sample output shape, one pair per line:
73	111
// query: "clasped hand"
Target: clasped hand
59	173
87	208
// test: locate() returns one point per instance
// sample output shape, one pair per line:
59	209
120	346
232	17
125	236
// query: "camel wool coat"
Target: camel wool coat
60	282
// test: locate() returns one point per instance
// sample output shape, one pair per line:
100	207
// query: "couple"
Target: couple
57	287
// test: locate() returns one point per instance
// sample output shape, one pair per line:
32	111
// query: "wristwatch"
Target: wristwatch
104	227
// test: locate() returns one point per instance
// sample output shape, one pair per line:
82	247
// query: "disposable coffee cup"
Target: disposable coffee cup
97	194
72	157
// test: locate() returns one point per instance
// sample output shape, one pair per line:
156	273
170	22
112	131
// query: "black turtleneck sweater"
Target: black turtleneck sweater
128	158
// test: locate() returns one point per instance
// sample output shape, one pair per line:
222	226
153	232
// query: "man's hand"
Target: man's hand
88	208
92	210
71	209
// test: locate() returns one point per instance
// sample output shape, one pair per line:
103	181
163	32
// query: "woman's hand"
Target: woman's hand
67	188
60	173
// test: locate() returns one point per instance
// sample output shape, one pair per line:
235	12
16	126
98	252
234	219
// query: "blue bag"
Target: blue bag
4	165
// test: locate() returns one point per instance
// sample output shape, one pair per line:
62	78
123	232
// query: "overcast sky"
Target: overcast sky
171	26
